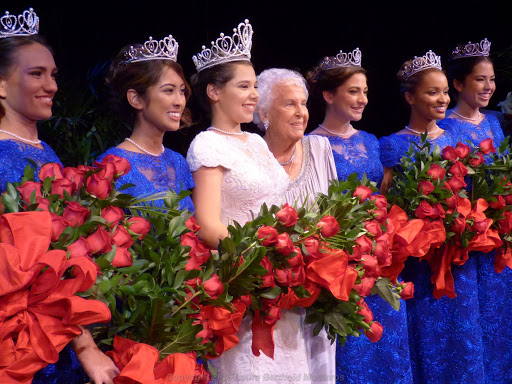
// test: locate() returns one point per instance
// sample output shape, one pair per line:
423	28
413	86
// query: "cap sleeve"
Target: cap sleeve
209	150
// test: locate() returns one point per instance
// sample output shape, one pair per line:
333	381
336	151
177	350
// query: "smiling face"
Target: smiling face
430	98
288	114
164	102
350	98
28	89
235	102
478	87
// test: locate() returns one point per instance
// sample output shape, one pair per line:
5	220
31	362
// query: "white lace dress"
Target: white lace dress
252	176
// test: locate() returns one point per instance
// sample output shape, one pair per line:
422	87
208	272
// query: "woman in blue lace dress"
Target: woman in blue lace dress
339	83
445	340
27	87
473	84
150	93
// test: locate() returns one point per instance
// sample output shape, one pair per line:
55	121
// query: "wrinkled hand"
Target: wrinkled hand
98	366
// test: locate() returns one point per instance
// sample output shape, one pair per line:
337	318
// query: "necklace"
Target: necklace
36	142
421	133
291	158
226	132
467	118
336	133
144	150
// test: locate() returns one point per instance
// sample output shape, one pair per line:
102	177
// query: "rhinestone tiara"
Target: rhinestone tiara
226	48
165	49
25	24
342	59
472	49
429	60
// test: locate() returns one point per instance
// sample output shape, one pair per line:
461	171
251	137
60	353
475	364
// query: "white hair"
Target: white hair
266	82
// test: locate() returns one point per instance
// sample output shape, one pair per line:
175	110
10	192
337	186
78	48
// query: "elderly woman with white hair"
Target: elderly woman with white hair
282	112
309	163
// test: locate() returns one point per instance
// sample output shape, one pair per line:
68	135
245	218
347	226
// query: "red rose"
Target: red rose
476	160
195	282
282	276
373	227
43	204
365	311
198	253
505	224
75	214
113	215
298	276
458	169
79	248
380	201
480	222
201	375
27	188
75	175
287	215
122	258
99	241
297	260
213	286
284	244
362	192
424	210
449	153
383	253
121	237
121	165
244	300
436	172
459	225
462	150
312	246
98	186
486	146
375	332
268	279
407	291
499	203
52	170
58	225
371	266
267	235
328	226
192	224
61	185
425	187
456	183
365	243
139	225
365	287
508	199
271	315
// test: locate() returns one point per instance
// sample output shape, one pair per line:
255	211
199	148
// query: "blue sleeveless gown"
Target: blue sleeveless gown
360	360
152	174
13	160
494	289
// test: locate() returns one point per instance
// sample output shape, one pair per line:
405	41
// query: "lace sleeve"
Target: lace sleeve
388	154
208	150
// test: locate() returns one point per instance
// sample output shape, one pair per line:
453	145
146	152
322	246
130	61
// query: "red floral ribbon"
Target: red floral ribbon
139	364
39	312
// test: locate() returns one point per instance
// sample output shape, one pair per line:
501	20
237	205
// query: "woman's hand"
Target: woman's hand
98	366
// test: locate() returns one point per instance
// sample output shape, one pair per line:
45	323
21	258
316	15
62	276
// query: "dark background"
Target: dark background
289	34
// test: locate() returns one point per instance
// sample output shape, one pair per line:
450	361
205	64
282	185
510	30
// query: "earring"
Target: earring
266	124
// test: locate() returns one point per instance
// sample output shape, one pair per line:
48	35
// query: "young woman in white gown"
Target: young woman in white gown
234	174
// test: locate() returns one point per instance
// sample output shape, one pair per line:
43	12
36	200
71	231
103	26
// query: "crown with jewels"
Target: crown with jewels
226	48
342	59
165	49
472	49
25	24
429	60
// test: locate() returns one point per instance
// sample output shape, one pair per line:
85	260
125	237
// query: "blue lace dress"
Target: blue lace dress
14	156
494	289
360	360
152	174
445	337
